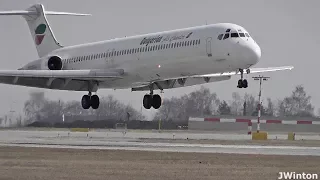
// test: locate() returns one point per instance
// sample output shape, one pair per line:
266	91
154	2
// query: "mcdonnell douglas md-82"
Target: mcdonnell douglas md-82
148	62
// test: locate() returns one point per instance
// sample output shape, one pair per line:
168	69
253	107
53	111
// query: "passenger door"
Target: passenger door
208	47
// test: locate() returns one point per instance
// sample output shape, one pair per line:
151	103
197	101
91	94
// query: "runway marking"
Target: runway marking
171	147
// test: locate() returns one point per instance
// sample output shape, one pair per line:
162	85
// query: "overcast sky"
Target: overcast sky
287	32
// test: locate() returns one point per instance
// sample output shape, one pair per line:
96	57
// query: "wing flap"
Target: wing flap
76	80
252	71
73	74
183	81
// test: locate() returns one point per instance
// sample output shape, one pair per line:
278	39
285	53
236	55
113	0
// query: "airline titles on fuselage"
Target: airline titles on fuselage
150	40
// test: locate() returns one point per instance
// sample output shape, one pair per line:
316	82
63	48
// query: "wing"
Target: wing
184	81
76	80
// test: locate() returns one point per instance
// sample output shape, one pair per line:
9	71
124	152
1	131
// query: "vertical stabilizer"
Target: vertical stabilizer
40	29
41	32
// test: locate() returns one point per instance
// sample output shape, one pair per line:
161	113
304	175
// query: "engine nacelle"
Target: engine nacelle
54	63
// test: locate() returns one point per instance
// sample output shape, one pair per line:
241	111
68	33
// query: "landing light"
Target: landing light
159	66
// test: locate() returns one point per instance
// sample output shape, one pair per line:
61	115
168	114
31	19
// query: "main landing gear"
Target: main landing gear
152	100
243	83
90	100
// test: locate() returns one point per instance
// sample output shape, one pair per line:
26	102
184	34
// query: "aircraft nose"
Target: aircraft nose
255	53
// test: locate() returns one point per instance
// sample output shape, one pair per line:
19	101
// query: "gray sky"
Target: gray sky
285	30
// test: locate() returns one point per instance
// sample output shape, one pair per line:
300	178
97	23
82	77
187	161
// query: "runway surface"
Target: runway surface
132	141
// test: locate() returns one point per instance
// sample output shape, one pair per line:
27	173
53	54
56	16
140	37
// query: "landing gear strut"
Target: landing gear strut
152	100
243	83
90	100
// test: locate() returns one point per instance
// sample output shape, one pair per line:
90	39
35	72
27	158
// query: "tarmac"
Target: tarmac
134	140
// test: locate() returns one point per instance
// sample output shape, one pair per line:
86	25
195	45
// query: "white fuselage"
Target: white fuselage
163	55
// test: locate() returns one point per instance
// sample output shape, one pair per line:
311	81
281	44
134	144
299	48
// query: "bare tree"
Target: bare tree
224	108
251	103
298	104
236	104
270	108
33	106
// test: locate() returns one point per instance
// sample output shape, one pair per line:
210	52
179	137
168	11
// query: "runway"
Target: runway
132	141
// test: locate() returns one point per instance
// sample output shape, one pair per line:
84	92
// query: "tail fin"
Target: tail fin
39	27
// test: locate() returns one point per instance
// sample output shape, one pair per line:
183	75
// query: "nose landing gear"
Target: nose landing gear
243	83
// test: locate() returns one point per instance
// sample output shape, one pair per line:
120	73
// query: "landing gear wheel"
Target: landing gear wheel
239	83
147	101
95	102
156	101
86	102
244	83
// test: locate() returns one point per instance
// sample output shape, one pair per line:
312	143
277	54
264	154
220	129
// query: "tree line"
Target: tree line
202	102
41	109
199	103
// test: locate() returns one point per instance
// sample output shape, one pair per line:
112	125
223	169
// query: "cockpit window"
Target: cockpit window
247	34
241	35
228	30
226	36
220	36
234	35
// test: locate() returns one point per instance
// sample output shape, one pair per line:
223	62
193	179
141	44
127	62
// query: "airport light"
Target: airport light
260	79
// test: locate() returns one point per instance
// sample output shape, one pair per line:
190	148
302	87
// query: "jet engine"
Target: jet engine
54	63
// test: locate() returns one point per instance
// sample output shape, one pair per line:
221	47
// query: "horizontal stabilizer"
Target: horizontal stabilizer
25	13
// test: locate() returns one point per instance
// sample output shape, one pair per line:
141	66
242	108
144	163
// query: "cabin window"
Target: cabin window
226	36
234	35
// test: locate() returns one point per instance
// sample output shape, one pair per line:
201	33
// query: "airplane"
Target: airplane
154	61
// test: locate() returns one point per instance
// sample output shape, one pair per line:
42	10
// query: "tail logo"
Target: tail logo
40	33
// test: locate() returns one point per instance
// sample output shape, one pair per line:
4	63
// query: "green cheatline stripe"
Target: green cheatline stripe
41	29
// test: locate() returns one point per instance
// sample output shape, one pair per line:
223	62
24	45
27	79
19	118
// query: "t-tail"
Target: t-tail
40	29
